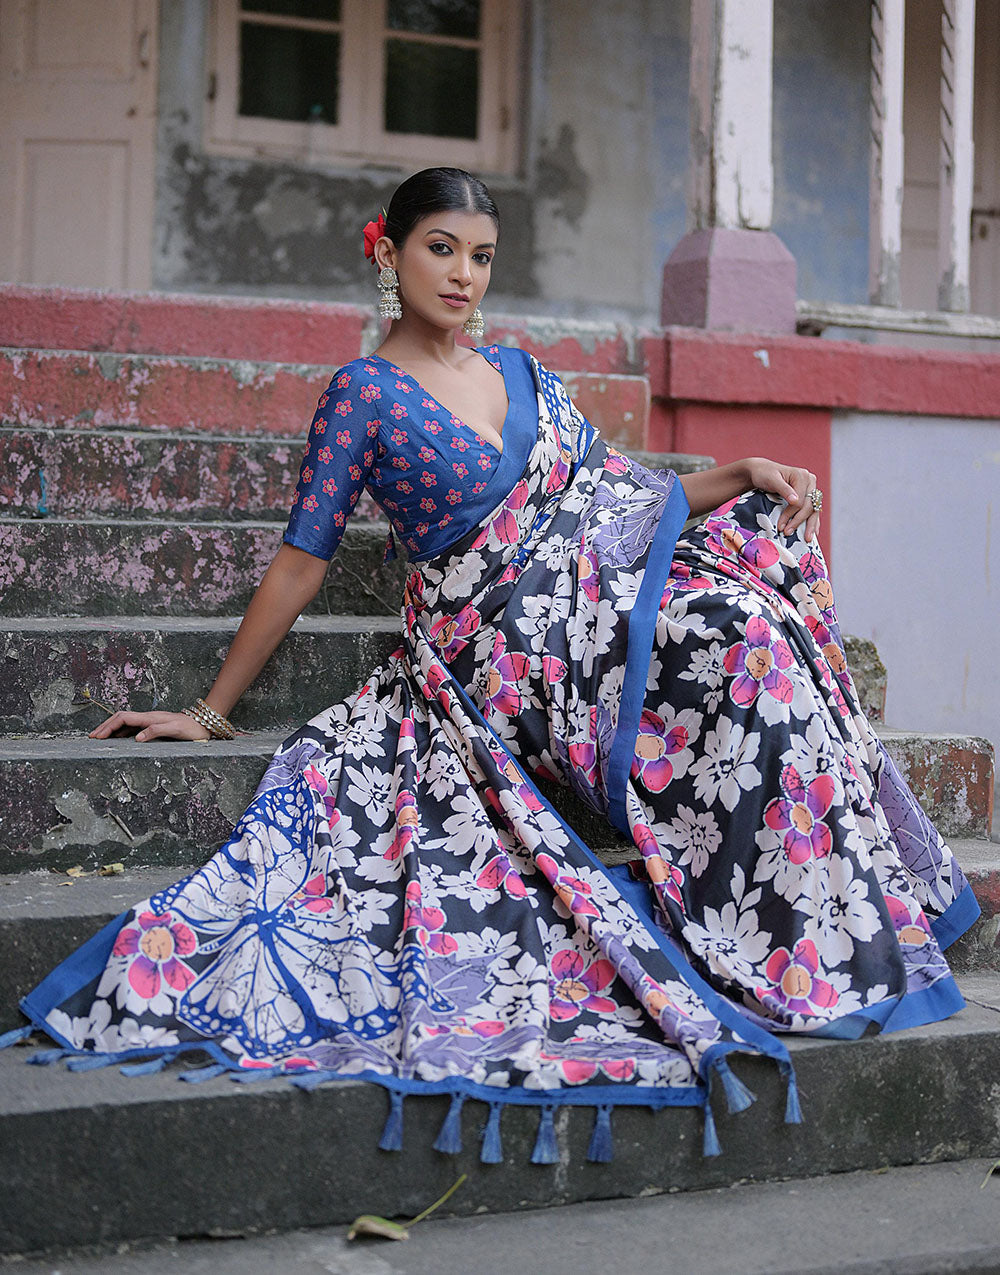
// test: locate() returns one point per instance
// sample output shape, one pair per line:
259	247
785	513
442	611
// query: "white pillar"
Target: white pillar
732	175
958	35
885	222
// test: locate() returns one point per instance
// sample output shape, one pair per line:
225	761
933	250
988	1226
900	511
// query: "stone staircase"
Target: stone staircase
141	496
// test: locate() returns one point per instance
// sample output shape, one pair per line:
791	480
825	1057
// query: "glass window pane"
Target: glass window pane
431	88
287	74
328	10
435	17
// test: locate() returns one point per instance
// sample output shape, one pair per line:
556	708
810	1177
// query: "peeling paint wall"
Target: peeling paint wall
600	200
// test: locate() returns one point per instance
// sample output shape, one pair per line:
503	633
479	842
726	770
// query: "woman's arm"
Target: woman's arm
289	585
707	490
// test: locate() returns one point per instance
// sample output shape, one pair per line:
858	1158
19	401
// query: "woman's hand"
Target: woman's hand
791	484
146	726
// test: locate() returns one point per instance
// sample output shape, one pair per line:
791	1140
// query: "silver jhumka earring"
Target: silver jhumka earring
388	301
475	324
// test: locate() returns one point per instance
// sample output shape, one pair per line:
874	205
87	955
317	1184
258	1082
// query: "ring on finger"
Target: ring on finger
816	497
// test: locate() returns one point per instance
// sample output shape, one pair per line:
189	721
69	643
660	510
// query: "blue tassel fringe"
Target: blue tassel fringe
46	1056
602	1143
711	1144
546	1151
197	1075
793	1112
449	1140
738	1096
147	1068
392	1134
492	1152
11	1038
90	1062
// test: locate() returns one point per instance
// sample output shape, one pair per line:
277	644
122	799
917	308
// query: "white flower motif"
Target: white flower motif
838	911
726	770
707	669
369	788
730	940
696	833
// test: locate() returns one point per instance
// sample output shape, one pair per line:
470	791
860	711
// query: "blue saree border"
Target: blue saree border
642	624
960	915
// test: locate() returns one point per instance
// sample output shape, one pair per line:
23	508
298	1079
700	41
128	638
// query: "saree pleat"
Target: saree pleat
401	902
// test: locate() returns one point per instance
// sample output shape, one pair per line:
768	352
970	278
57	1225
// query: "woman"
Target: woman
400	902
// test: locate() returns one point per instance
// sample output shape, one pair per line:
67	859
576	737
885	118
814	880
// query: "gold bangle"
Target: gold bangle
218	727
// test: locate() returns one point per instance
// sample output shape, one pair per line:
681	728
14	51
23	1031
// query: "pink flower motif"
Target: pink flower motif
344	407
310	503
398	411
428	505
573	988
667	878
433	427
485	462
398	435
426	454
799	814
507	669
553	668
462	444
504	525
407	819
370	393
616	462
429	404
500	874
560	472
579	1070
355	472
307	474
426	921
338	518
312	896
344	437
404	388
452	632
453	497
654	746
428	479
477	488
912	932
325	455
757	663
329	486
343	380
371	429
319	425
586	573
369	458
572	891
156	941
372	371
793	980
727	538
399	462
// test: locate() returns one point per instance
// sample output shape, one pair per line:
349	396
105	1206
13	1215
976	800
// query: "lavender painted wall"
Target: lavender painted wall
917	512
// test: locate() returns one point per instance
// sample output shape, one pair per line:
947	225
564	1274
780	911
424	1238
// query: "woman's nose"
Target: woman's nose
462	271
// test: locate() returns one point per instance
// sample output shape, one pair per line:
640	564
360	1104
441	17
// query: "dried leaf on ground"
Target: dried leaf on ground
369	1224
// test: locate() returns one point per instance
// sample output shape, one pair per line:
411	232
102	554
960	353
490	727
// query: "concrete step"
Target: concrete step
93	1158
83	389
70	800
925	1219
60	567
49	665
46	915
86	473
74	473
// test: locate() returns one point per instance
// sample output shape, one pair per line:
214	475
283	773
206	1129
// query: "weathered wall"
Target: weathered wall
599	203
915	568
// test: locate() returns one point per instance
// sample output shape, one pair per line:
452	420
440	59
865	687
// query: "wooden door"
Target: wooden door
77	137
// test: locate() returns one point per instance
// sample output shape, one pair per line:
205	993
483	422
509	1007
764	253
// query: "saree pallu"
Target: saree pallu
401	903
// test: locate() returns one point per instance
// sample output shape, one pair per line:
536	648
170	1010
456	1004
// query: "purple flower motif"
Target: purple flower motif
799	814
730	540
575	989
156	941
654	746
758	662
506	670
793	980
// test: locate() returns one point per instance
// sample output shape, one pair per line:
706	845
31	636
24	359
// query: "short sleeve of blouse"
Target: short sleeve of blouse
338	459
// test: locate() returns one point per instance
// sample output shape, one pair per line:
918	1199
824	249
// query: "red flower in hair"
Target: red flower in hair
373	232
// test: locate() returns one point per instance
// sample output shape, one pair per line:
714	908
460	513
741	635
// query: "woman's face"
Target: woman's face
444	266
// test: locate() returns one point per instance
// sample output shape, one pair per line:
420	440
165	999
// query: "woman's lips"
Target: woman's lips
454	299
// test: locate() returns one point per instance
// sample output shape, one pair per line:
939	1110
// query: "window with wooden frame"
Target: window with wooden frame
403	82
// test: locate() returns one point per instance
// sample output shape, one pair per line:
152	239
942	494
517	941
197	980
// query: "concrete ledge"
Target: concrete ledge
928	1094
951	775
143	663
58	567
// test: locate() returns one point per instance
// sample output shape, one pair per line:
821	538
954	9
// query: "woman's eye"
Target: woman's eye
440	248
482	258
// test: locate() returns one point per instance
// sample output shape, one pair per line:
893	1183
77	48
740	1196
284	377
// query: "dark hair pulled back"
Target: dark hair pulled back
435	190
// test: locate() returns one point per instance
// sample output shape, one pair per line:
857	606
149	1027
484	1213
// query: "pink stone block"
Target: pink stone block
736	280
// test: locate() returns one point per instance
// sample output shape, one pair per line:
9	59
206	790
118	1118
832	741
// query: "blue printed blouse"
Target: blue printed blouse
434	476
